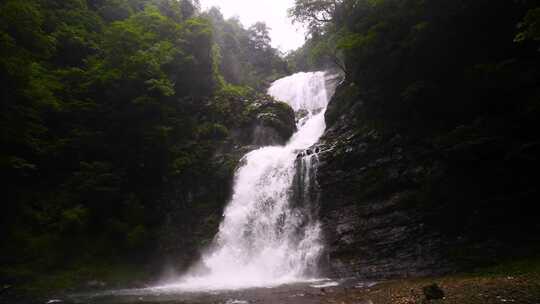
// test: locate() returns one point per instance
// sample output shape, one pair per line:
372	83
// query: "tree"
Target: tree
100	101
315	13
246	55
259	36
190	8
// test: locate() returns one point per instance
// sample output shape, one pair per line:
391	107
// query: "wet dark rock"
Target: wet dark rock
300	114
277	116
369	193
369	215
269	122
433	292
395	204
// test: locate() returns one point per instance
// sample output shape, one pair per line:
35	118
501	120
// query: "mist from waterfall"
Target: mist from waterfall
269	234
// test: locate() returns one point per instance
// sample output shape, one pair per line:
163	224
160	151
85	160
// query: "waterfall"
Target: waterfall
267	237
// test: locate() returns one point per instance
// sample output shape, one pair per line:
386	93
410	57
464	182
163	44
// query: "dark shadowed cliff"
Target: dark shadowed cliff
430	159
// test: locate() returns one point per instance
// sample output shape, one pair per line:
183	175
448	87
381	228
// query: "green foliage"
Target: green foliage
530	26
322	51
22	21
111	114
396	51
314	13
246	57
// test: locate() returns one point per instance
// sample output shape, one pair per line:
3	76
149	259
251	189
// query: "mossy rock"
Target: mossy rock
282	112
275	117
273	121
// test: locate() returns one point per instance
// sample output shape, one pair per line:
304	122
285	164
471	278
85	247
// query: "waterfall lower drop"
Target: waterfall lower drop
267	237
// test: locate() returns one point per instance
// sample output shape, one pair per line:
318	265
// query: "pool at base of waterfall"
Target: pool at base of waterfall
299	293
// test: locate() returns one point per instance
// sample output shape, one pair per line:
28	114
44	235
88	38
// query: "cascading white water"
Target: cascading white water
265	239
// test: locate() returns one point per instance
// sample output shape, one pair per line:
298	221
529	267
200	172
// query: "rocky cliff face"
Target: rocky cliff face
397	205
368	185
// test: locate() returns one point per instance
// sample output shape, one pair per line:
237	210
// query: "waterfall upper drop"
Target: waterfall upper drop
266	237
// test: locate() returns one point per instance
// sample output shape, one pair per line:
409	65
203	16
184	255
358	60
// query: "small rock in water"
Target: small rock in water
433	292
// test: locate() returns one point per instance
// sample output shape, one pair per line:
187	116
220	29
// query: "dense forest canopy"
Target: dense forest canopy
113	112
107	106
246	56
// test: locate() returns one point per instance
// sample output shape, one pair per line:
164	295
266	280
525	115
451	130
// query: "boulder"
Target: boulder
433	292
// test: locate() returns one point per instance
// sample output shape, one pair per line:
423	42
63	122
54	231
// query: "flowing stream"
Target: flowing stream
269	235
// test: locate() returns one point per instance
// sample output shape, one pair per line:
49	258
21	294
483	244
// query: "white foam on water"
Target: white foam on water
264	240
324	285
